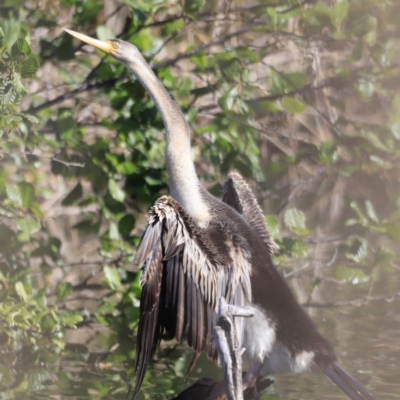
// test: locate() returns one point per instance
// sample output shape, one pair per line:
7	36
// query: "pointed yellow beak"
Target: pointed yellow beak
105	46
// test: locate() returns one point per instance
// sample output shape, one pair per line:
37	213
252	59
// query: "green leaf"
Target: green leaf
192	7
64	289
201	61
369	207
2	37
295	220
292	105
70	319
20	47
341	10
362	253
273	226
66	124
28	225
125	168
104	33
27	193
358	211
108	307
20	290
58	343
227	100
126	224
113	232
392	230
274	16
353	275
299	249
14	195
340	36
172	27
38	317
112	278
11	29
29	67
18	84
295	80
116	192
363	24
384	255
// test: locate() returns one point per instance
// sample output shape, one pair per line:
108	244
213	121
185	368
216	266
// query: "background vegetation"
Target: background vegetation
302	98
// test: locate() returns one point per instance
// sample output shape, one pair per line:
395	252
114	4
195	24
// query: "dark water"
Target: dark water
366	336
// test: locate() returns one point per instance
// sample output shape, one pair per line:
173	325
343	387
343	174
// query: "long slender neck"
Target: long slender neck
183	181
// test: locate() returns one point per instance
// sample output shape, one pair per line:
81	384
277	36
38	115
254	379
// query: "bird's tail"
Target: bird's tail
354	389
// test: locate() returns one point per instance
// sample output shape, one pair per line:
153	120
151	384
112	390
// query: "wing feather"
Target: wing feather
237	194
184	272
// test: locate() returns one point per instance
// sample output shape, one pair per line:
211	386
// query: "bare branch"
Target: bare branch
54	158
229	346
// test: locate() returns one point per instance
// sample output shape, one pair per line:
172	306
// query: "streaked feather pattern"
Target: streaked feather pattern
185	270
238	195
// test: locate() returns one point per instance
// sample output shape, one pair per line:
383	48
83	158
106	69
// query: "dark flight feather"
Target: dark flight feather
184	273
238	195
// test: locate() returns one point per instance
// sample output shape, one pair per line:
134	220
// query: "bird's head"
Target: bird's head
124	52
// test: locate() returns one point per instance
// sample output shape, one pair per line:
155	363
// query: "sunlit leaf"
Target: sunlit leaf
340	10
20	290
363	24
2	37
65	124
11	29
392	230
292	105
64	289
116	192
361	253
103	32
383	255
27	193
353	275
295	220
70	319
14	195
20	47
369	207
227	100
28	225
273	225
192	7
29	67
112	278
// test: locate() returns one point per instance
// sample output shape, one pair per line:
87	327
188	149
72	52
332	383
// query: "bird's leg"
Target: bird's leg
250	379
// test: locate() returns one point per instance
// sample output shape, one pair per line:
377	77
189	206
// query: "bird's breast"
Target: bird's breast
261	344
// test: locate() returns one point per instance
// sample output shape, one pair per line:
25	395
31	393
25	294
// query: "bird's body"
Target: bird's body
197	248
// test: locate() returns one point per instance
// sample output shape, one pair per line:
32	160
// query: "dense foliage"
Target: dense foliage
302	98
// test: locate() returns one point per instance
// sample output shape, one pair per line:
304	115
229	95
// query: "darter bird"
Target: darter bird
197	248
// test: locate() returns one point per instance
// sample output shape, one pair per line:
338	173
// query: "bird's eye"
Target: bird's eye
115	45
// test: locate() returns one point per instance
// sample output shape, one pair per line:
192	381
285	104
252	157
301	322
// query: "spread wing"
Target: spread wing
184	273
238	195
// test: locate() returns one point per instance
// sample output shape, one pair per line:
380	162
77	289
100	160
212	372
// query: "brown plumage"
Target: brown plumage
196	249
186	269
